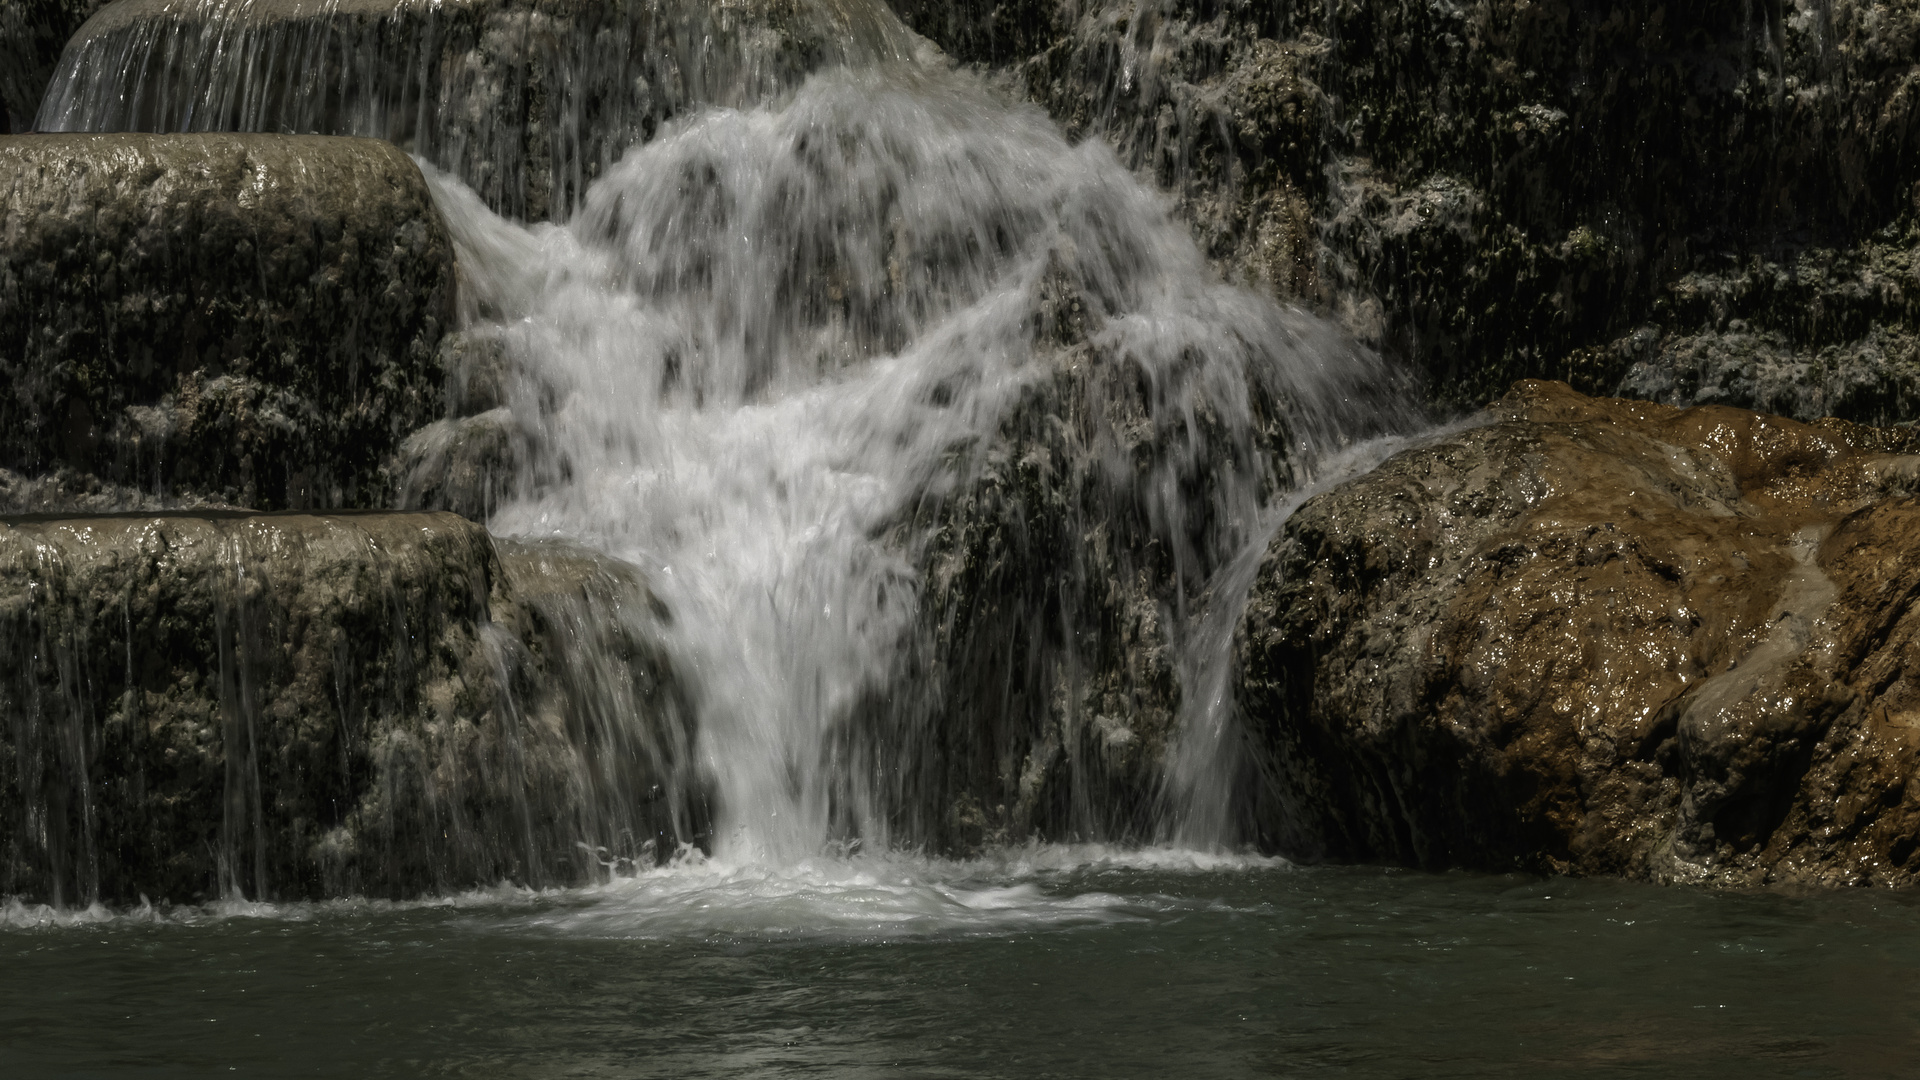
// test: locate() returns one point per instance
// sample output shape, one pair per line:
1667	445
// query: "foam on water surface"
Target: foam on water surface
849	898
883	897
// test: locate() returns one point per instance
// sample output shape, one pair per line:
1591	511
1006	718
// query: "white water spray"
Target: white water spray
770	332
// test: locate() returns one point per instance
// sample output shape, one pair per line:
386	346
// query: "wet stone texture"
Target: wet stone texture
1061	558
1049	685
1697	203
247	320
284	706
527	101
1601	637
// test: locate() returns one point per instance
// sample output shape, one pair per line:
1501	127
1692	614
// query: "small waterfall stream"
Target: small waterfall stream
797	305
527	102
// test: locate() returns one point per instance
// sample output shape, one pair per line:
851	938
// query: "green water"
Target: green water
1096	970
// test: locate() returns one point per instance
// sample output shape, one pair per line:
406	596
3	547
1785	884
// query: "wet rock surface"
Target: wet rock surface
1050	683
1602	637
472	459
289	705
1698	203
525	100
1065	560
245	320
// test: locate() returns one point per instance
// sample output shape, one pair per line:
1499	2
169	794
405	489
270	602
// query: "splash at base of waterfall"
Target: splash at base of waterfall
849	897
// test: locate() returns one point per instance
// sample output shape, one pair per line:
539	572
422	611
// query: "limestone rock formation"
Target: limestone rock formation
288	705
1065	561
1044	663
524	100
470	460
1601	637
240	319
1699	203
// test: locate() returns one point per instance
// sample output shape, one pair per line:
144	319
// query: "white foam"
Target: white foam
888	896
834	897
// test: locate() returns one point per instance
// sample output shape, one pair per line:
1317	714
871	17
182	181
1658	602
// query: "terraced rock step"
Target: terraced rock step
297	705
525	100
238	319
1606	637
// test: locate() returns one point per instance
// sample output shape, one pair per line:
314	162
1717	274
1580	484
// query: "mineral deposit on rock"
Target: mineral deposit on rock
240	319
1605	637
1699	203
290	705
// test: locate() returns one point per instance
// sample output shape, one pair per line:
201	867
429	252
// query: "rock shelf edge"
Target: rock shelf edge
291	706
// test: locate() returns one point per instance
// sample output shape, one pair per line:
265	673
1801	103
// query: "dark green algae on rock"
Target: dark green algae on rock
281	706
247	320
1693	203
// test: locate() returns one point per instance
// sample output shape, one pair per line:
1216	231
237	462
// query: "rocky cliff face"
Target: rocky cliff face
1695	203
248	320
1600	636
285	706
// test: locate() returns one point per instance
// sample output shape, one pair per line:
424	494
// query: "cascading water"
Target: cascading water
879	468
772	335
525	101
946	451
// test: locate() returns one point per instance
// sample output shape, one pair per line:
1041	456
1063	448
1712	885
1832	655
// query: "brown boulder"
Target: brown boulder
1600	637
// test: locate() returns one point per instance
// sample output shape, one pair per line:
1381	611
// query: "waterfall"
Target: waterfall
946	450
772	335
526	101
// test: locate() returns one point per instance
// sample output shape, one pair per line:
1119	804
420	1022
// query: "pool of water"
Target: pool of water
1040	963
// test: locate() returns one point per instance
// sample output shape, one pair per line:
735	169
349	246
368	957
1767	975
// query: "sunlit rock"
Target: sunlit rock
1604	637
238	319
